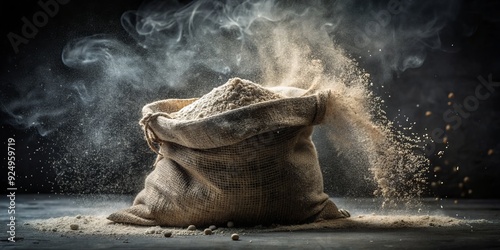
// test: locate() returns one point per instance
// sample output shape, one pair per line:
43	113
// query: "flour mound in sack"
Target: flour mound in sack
234	94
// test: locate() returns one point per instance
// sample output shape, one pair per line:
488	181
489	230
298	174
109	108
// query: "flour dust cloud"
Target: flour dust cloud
185	50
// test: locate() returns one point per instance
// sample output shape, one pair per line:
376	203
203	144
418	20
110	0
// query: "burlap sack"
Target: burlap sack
252	165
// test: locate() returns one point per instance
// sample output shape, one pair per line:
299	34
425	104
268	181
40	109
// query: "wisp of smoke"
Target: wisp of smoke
184	50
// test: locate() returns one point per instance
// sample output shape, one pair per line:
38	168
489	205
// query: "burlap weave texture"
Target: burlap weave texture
252	165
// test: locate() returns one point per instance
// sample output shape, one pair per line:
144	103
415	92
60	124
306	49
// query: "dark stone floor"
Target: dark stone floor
485	235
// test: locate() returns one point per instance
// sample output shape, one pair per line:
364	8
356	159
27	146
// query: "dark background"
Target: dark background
469	49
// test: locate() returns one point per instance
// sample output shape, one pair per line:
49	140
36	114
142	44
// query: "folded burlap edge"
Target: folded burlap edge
232	126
